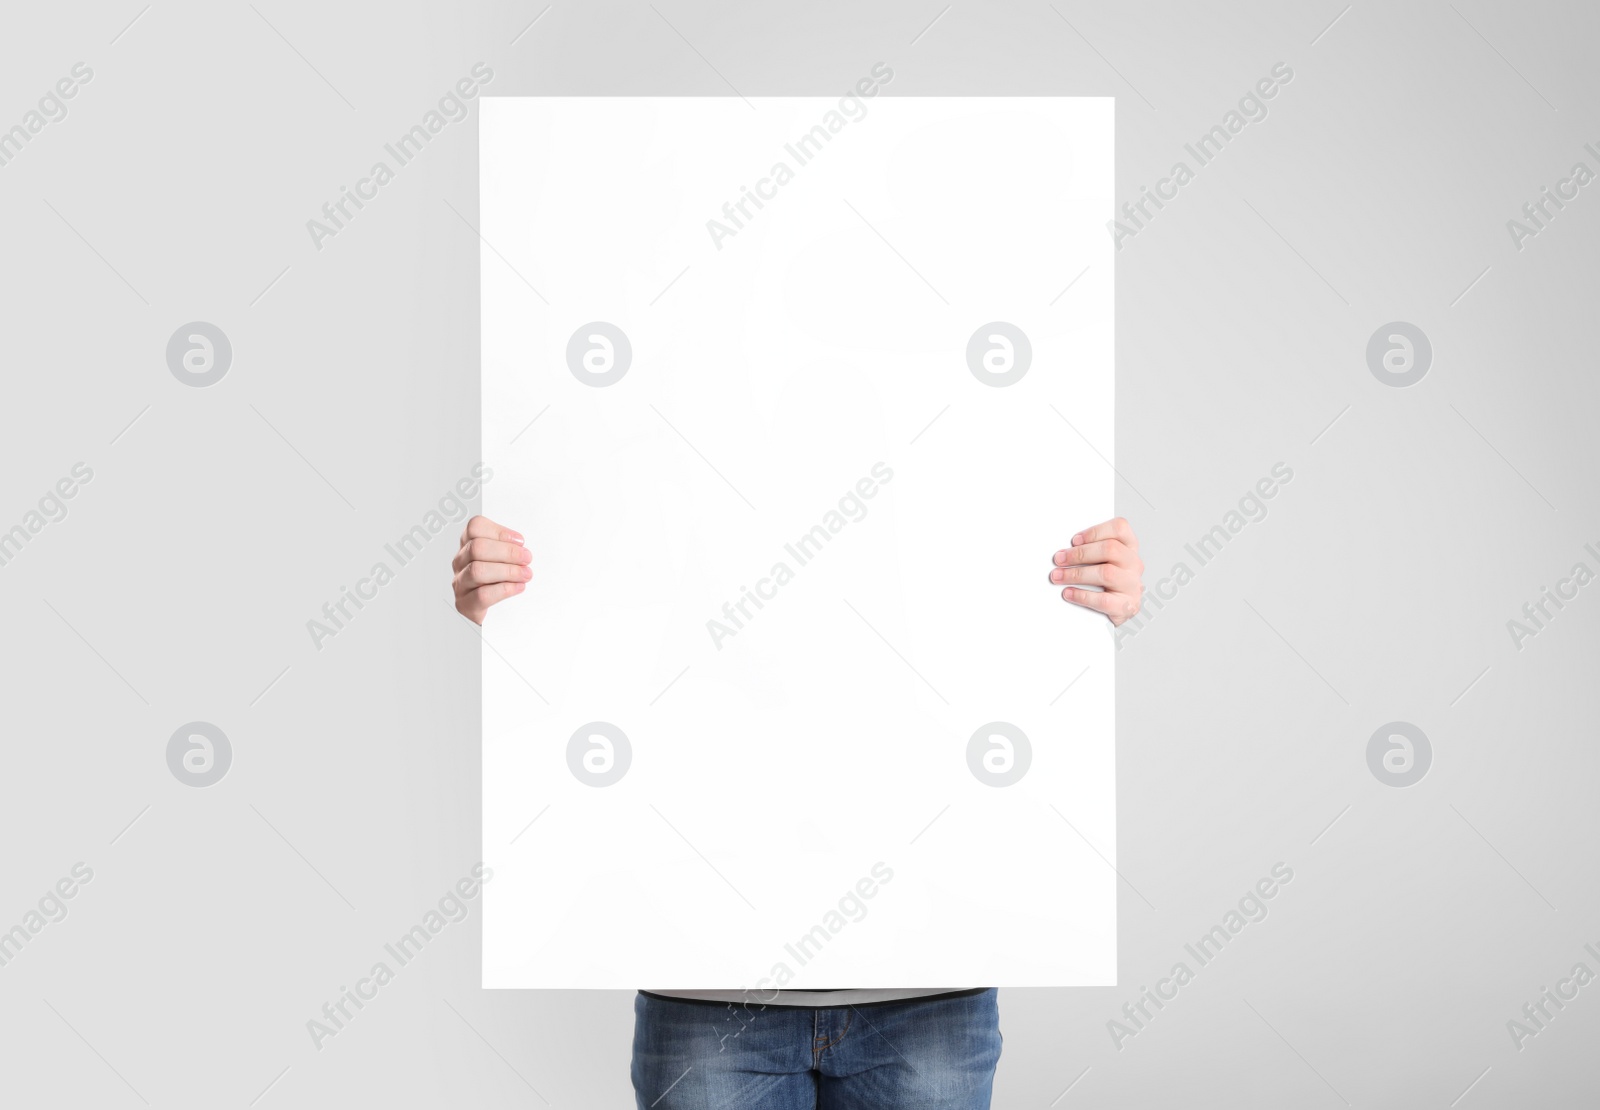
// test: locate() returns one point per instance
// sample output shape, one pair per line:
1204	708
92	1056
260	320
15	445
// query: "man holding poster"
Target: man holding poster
796	397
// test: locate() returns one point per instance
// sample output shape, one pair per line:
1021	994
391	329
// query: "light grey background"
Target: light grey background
219	520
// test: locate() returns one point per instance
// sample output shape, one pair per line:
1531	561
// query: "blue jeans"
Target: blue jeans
938	1054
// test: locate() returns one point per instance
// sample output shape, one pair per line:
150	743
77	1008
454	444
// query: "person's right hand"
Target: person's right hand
491	566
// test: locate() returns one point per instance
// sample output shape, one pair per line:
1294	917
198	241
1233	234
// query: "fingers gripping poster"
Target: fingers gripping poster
793	400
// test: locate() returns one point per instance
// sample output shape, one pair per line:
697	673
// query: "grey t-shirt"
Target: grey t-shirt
817	998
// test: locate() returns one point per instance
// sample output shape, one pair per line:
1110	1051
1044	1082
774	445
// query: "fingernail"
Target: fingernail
527	573
518	587
516	537
1076	540
1058	576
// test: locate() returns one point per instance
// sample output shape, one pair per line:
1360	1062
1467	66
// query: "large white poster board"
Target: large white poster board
794	399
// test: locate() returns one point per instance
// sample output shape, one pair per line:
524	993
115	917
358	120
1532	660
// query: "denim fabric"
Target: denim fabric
937	1054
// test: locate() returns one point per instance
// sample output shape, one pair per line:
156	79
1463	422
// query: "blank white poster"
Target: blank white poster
794	399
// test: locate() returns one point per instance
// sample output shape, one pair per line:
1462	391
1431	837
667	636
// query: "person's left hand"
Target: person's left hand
1107	556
